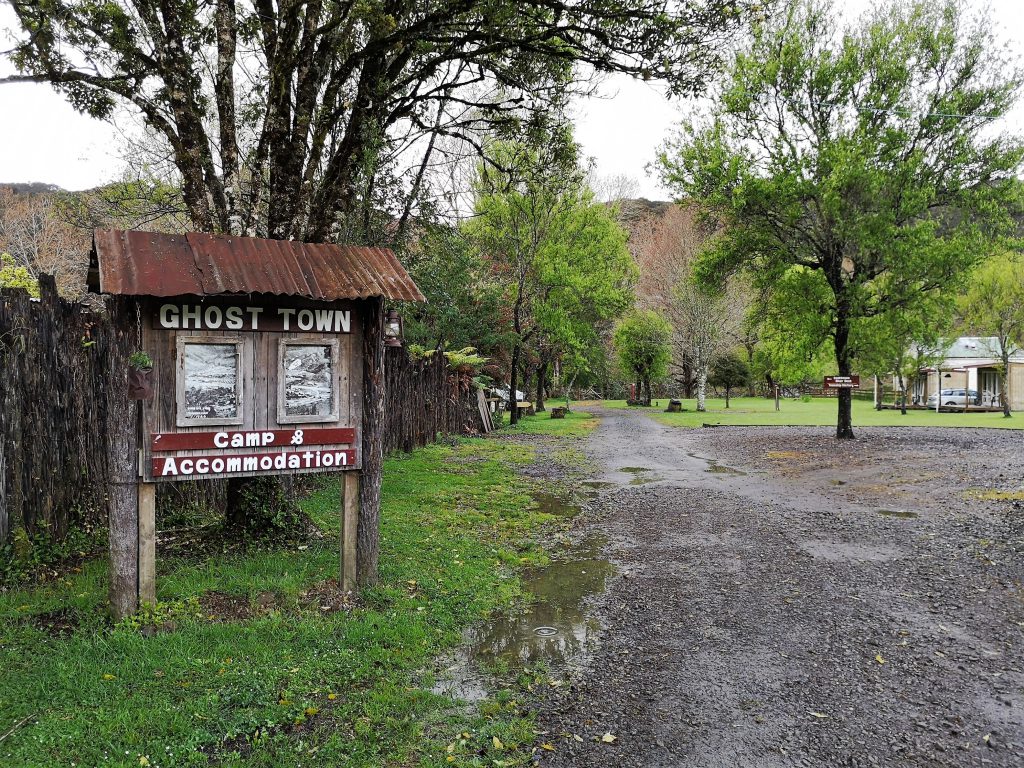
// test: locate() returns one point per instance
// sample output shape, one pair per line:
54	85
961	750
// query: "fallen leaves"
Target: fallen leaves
608	738
879	659
819	715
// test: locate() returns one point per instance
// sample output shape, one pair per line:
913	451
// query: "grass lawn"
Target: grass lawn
575	423
287	683
820	411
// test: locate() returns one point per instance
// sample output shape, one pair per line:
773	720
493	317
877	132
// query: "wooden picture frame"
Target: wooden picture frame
213	381
306	375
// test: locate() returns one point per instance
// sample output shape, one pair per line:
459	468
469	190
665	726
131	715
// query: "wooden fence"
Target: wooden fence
53	357
57	364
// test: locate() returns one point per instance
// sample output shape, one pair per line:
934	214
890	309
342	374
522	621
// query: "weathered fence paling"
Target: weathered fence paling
52	391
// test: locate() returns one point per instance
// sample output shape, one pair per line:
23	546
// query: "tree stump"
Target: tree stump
558	413
674	406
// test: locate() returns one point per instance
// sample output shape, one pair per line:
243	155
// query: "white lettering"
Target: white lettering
169	316
342	321
250	464
280	461
293	461
308	458
233	318
170	467
305	320
340	459
202	466
217	465
268	438
324	318
254	315
328	459
286	317
237	440
213	317
252	440
234	465
186	466
190	314
266	462
221	439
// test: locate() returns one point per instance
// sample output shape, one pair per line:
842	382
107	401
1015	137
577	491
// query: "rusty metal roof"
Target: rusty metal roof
133	263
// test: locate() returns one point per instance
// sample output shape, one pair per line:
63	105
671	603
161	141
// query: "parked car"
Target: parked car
961	397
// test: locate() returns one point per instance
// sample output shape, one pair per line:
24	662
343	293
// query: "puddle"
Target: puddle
554	629
598	484
633	470
897	513
720	469
644	480
553	504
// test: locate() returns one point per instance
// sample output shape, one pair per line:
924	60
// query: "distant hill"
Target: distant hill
30	187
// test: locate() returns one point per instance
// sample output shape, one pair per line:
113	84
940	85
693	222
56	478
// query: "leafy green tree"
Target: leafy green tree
903	343
463	306
282	119
854	170
729	371
14	276
560	258
994	305
643	342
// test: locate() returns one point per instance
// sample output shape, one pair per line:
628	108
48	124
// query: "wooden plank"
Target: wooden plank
147	543
278	462
349	485
183	441
372	449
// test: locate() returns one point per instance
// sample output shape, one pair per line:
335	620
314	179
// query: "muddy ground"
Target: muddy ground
782	599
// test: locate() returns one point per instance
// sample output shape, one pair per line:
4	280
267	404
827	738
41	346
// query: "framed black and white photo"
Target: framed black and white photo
307	381
209	380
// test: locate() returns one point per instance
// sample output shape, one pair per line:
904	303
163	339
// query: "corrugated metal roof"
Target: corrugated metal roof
133	263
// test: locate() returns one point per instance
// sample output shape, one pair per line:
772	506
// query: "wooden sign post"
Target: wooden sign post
260	379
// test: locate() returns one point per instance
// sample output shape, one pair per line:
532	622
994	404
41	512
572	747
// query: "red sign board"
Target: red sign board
270	438
842	382
167	467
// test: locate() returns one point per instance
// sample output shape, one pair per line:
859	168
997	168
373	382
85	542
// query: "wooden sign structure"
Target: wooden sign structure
841	382
267	359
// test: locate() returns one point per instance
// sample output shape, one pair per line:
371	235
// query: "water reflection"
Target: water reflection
560	589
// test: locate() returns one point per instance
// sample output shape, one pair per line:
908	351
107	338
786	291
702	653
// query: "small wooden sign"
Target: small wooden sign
842	382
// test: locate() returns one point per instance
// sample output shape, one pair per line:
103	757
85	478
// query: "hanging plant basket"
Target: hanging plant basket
140	383
140	376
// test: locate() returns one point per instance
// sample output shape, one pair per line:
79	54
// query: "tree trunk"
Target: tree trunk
776	397
702	386
1004	394
542	373
903	394
368	530
844	420
750	364
513	380
647	392
727	389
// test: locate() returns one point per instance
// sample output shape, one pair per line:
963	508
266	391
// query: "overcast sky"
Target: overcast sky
43	139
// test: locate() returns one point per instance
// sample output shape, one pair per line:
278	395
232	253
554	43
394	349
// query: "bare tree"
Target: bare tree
41	240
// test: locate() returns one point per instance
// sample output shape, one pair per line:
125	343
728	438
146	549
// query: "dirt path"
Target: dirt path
784	600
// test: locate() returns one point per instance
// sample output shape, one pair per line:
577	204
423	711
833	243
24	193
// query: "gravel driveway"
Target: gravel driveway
784	599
